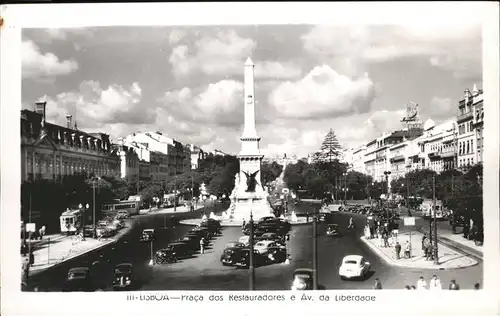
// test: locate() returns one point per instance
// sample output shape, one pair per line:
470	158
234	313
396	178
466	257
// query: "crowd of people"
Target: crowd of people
434	284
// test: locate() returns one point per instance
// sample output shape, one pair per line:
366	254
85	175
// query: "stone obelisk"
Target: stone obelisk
248	195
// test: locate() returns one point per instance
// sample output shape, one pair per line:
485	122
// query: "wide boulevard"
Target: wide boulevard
205	271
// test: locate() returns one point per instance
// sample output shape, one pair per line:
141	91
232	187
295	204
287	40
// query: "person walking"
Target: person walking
377	285
397	248
421	284
407	250
386	239
202	245
435	283
454	286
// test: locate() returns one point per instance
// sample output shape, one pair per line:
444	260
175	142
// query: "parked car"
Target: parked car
325	217
204	231
333	230
78	279
213	226
124	276
229	255
353	266
302	280
193	241
263	246
236	244
166	255
148	235
272	237
265	219
276	254
180	250
245	240
242	258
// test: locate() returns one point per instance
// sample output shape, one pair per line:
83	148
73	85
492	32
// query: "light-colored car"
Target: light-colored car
263	246
244	240
353	266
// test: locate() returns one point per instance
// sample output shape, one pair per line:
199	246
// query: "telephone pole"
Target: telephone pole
315	250
251	268
436	259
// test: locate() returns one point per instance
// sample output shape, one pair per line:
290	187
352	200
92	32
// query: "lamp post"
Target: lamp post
175	193
251	270
94	181
387	173
315	250
436	259
82	210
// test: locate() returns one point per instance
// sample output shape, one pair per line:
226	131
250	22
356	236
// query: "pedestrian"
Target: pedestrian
386	239
244	223
477	286
397	248
202	245
377	285
380	237
407	250
421	284
454	286
424	237
407	287
435	283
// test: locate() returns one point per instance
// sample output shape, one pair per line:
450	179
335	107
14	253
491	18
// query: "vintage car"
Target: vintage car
204	231
242	258
163	256
271	237
78	279
180	250
245	240
236	244
325	217
276	254
147	235
353	266
229	255
194	241
265	219
302	280
124	276
333	230
263	246
212	225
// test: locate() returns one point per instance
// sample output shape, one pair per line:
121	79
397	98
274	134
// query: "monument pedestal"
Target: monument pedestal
244	204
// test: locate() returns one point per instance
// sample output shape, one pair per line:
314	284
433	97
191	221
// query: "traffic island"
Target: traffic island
448	258
239	223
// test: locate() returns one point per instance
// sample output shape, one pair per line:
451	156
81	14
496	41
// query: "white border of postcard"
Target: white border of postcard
16	17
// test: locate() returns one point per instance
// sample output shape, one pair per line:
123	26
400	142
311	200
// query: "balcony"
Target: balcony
464	117
448	154
397	158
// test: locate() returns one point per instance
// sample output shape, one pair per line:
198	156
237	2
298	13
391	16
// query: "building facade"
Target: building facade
470	128
50	151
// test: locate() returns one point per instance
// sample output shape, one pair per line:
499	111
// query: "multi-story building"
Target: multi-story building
358	162
197	154
470	128
50	151
438	143
129	160
168	157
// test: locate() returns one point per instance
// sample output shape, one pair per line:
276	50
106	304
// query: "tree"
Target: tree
330	148
270	171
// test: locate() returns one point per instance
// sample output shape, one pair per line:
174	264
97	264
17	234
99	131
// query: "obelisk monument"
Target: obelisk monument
249	195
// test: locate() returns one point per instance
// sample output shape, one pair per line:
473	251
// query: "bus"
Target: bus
132	207
427	207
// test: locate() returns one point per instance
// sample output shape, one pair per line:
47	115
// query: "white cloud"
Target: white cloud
36	64
224	54
176	36
277	70
440	107
452	47
63	33
324	93
110	109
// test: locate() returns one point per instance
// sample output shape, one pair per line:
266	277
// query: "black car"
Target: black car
325	217
266	219
181	250
213	226
207	233
78	279
147	235
165	256
242	258
124	276
302	280
229	255
194	241
333	230
272	237
279	229
276	255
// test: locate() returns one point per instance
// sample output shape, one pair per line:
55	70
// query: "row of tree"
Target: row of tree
48	199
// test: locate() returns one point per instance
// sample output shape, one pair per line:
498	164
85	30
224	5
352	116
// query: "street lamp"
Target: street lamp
175	193
345	186
315	249
94	181
387	173
436	259
82	210
251	270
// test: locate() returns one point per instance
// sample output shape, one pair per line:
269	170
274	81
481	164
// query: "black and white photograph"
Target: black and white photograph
253	157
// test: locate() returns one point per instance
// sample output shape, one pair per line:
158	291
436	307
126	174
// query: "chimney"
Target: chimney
475	91
40	109
68	121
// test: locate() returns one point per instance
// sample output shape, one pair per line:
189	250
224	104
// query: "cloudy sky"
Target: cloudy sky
187	81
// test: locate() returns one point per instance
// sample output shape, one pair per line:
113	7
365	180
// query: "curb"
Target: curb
393	262
190	222
463	249
55	265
